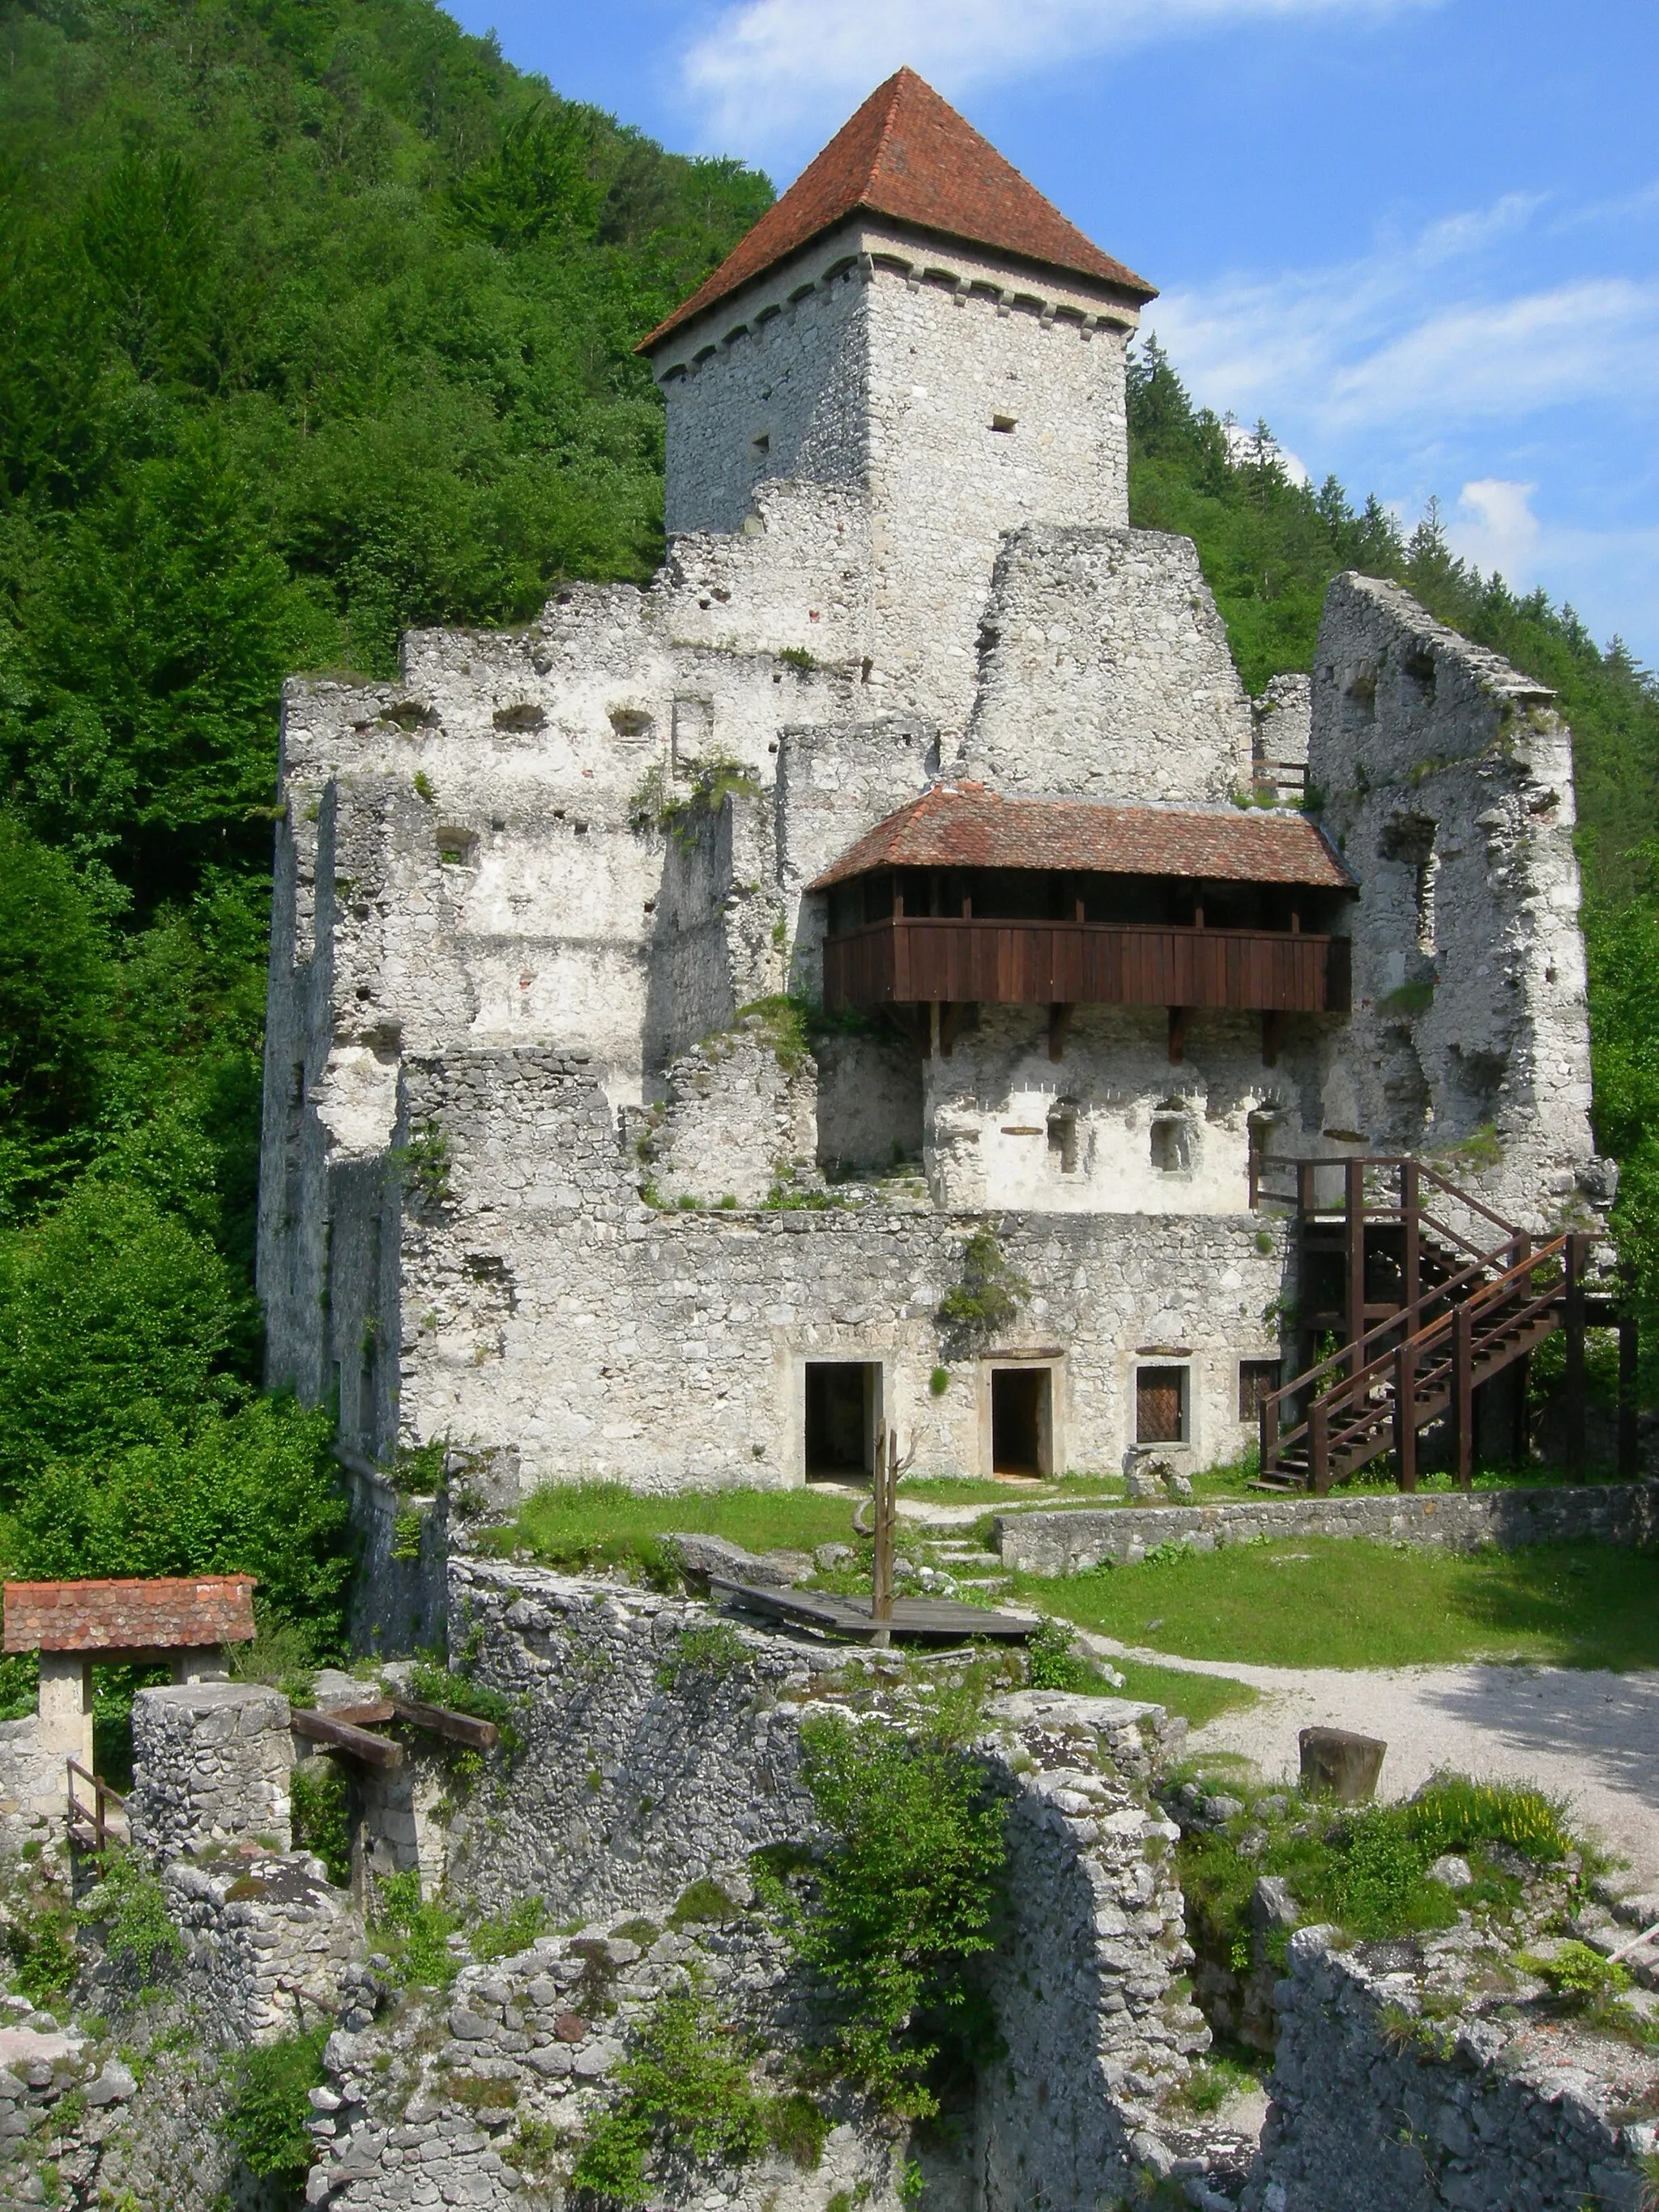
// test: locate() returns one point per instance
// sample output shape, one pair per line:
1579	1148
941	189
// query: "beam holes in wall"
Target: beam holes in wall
844	1405
1002	422
1160	1405
1022	1420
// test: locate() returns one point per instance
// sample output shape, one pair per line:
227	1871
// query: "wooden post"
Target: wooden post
1267	1427
1405	1416
1410	1216
1463	1405
884	1518
1627	1350
1577	1253
1354	1189
1319	1445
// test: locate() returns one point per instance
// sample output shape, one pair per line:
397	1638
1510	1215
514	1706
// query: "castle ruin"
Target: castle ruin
912	732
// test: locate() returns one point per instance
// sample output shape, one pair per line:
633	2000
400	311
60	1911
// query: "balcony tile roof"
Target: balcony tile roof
966	826
907	153
159	1613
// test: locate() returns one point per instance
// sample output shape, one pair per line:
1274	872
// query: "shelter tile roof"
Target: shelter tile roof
966	826
159	1613
907	153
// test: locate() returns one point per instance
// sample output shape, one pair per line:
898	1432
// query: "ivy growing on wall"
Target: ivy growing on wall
988	1293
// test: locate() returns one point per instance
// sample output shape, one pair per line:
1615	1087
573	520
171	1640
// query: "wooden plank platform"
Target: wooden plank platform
850	1616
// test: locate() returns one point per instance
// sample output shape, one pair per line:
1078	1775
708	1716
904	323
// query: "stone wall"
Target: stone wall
1384	2102
210	1763
681	1340
1062	1543
1445	777
740	1113
1105	670
33	1784
268	1940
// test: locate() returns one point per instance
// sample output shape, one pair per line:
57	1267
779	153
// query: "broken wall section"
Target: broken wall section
1105	671
1445	779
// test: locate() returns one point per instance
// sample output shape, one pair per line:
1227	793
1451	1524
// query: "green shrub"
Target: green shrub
415	1932
686	2087
513	1931
42	1947
901	1897
320	1793
1576	1971
1053	1662
709	1652
990	1292
269	2104
130	1905
799	2127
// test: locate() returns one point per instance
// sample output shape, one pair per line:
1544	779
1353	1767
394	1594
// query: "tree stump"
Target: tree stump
1336	1763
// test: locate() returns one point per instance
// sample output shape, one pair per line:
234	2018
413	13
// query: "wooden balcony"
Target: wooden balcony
951	960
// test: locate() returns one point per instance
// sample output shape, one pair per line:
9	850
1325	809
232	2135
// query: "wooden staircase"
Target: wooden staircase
1431	1307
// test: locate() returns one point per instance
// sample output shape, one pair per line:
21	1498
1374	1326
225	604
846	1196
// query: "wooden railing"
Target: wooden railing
89	1824
953	959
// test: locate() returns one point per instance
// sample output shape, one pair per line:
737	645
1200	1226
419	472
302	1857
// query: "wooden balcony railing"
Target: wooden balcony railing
914	959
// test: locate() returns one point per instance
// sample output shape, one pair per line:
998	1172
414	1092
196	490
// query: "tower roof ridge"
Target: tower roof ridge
907	153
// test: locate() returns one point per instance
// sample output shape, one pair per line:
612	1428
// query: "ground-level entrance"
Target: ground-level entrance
844	1404
1022	1420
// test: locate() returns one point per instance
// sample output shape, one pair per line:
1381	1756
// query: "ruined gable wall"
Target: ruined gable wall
546	1308
1446	779
1105	670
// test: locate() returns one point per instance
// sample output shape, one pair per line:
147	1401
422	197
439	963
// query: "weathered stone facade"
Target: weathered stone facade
527	895
211	1762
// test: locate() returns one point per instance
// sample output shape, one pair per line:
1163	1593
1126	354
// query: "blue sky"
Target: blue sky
1420	236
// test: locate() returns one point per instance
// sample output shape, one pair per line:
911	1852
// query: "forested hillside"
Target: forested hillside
315	321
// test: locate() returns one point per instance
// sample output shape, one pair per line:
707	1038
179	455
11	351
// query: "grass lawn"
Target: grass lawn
573	1524
1195	1698
1333	1603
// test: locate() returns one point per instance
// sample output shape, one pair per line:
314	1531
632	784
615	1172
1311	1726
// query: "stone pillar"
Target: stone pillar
210	1765
65	1705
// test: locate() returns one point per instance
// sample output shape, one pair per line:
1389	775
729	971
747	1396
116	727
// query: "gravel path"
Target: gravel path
1582	1734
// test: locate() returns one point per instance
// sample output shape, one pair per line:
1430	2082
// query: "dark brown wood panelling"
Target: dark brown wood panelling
912	959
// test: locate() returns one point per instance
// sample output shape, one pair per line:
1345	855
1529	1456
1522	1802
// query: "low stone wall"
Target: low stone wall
210	1764
1063	1542
33	1784
637	1771
1380	2106
267	1943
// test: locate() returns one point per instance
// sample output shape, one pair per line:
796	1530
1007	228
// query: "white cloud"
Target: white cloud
1422	330
1493	526
767	68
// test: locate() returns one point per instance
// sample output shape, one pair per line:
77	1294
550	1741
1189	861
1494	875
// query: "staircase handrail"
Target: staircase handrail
1495	1290
1388	1160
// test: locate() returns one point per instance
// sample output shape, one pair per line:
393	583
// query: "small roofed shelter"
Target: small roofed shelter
964	897
183	1622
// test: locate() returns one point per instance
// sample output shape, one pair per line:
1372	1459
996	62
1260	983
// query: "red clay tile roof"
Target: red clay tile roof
157	1614
965	826
908	153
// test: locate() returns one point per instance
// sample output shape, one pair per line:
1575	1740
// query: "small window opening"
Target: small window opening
296	1087
1062	1135
1002	422
1160	1405
1257	1380
760	444
843	1404
1021	1420
1428	868
1171	1141
457	848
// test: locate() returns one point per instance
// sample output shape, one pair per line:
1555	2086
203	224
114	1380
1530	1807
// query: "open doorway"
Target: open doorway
1022	1420
844	1404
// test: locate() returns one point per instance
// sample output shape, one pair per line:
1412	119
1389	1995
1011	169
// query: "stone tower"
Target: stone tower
913	322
